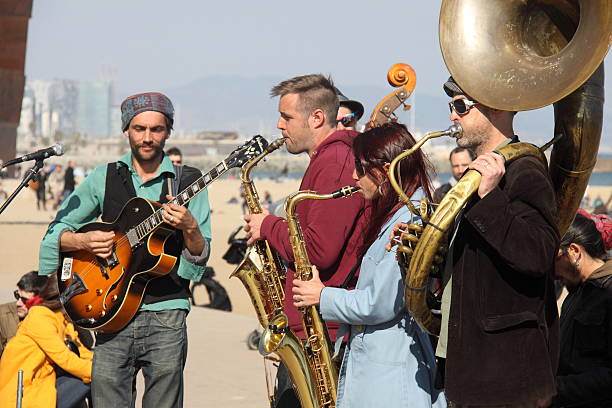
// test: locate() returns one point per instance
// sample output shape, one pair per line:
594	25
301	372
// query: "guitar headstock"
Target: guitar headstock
246	152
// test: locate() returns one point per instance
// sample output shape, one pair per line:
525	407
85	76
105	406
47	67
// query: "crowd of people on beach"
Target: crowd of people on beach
501	342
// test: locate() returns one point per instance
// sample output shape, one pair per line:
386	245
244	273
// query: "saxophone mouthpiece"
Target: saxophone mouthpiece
454	130
275	144
345	191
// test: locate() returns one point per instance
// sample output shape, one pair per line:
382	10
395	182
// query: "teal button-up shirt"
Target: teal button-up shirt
84	205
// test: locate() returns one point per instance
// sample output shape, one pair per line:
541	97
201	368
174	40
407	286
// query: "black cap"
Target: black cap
452	89
355	106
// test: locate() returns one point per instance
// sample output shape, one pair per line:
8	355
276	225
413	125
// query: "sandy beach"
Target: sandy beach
221	370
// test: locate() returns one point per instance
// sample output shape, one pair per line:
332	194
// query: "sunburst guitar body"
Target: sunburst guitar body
104	294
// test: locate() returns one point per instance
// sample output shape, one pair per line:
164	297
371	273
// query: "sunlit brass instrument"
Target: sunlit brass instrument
280	339
261	271
544	54
453	131
422	254
549	52
317	345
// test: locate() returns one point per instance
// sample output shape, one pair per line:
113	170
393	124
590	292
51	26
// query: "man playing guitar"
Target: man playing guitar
155	340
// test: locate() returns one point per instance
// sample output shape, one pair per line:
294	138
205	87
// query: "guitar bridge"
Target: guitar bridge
100	263
76	287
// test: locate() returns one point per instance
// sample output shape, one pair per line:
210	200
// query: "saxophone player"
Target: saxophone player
308	108
389	360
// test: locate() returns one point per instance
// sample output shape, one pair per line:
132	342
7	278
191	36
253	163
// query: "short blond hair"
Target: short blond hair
315	92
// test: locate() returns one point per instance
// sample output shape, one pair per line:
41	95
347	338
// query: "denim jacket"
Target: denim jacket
389	361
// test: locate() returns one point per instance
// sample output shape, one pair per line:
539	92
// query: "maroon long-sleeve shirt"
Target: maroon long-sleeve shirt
333	229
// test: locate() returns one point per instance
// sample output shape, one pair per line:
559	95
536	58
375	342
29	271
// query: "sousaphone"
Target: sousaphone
520	55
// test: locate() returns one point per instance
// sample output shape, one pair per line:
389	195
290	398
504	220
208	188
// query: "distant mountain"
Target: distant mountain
243	104
226	103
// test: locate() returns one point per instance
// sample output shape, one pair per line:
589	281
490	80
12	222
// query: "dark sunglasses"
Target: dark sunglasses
461	106
359	168
347	119
18	296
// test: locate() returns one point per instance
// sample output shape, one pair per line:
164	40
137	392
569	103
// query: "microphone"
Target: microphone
55	150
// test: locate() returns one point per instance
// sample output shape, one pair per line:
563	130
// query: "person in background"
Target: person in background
69	182
3	193
56	181
389	360
460	159
267	198
584	378
41	190
175	156
28	286
38	348
349	112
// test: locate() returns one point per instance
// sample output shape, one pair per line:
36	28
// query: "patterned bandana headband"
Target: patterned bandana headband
603	223
149	101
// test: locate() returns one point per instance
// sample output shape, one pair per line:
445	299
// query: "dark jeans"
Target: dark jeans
154	342
71	391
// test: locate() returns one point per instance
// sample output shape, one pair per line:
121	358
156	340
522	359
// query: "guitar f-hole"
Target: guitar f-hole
112	287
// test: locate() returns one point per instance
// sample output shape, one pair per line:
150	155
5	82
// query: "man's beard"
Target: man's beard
155	155
472	139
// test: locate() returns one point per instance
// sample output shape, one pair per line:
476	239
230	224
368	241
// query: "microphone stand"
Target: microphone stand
29	176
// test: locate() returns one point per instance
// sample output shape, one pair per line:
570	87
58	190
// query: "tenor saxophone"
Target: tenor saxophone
317	345
261	271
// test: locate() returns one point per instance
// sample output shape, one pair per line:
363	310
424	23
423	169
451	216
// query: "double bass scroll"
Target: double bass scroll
400	76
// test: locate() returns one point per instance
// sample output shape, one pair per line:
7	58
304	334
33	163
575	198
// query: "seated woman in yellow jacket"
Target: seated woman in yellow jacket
37	349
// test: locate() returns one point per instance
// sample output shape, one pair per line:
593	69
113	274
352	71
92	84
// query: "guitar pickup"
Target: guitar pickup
76	287
132	236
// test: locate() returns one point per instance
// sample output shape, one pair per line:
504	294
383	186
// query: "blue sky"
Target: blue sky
152	44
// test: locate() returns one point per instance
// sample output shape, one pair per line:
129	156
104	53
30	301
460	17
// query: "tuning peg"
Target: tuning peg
407	107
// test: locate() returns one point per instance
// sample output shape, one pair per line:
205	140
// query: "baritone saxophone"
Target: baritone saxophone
261	271
317	345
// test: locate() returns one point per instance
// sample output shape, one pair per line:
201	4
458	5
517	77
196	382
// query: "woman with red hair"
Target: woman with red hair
389	361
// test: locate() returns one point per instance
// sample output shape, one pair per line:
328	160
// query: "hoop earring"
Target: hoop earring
379	189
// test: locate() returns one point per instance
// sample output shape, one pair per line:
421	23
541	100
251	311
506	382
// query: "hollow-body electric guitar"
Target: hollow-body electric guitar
104	294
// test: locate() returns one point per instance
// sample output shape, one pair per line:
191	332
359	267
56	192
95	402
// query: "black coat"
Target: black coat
441	192
585	366
503	324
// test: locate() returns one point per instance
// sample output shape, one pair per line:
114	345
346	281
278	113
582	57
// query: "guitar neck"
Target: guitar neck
155	220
